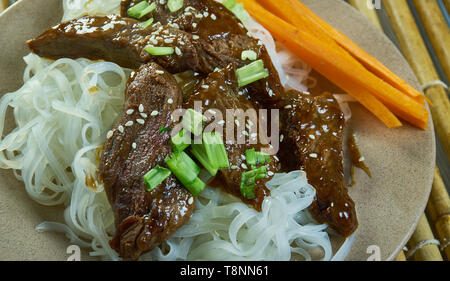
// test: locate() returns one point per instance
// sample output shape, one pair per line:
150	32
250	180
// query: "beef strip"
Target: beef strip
219	93
313	128
225	38
122	41
144	219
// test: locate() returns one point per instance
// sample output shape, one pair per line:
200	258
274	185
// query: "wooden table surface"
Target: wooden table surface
421	30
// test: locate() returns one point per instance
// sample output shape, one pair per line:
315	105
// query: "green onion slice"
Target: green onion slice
255	157
181	141
239	11
175	5
249	54
141	9
155	177
159	51
248	181
251	73
196	187
186	171
215	150
146	23
229	4
193	121
198	150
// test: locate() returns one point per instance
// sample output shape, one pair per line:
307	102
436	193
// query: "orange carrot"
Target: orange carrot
329	62
297	8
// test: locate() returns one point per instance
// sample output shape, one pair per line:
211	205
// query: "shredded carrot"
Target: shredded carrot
331	63
299	10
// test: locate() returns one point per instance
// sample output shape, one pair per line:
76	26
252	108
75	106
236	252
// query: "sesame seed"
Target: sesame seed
205	14
234	167
205	86
141	108
143	115
288	106
195	37
129	124
191	200
154	41
313	155
244	166
221	122
188	14
243	157
168	41
213	17
270	173
159	72
120	128
236	122
134	145
276	158
362	159
130	111
245	133
154	113
194	25
178	51
109	134
281	138
312	137
170	101
140	121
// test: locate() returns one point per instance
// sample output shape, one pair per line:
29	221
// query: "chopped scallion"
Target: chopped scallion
181	141
155	177
146	23
229	4
175	5
193	121
184	169
248	181
215	150
251	73
159	51
196	187
141	9
239	11
198	150
249	54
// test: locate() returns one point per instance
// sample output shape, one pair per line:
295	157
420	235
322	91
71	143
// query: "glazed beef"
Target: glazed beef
219	93
313	129
225	38
144	219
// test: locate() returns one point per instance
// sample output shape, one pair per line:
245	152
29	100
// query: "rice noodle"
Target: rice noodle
62	114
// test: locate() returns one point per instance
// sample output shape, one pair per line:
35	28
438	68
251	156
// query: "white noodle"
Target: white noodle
63	113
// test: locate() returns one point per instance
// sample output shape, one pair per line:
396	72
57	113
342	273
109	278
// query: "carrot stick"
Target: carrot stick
330	63
297	8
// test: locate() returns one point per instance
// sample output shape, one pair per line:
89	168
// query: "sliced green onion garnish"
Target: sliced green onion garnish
215	150
175	5
141	9
239	11
256	157
146	23
251	73
196	187
249	54
186	171
193	121
229	4
198	150
248	181
159	51
250	156
155	177
181	141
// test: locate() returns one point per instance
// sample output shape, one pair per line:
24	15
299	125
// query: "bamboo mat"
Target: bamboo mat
421	30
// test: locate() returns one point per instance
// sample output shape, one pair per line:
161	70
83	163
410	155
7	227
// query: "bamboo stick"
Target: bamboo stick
416	53
370	14
423	233
437	30
439	211
401	257
447	5
3	5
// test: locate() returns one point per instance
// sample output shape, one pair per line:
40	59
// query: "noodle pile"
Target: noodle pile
62	114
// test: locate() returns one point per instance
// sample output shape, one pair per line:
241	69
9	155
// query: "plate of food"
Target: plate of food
207	130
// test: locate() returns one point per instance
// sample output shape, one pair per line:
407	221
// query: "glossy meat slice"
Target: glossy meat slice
216	95
144	219
225	37
313	129
122	40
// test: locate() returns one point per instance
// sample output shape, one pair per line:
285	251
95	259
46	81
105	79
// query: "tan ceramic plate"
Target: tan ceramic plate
389	205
